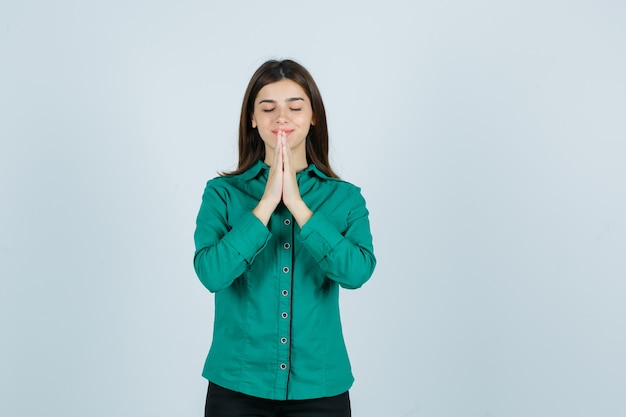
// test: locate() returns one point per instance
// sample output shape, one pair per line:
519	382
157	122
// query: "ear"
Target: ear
313	121
253	123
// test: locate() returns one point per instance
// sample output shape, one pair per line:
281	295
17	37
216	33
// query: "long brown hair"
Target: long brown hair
252	147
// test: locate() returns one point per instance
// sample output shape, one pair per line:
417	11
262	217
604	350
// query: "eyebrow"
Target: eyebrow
289	100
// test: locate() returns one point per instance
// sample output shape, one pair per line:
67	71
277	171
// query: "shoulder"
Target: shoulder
221	186
348	188
334	182
227	180
222	181
339	193
219	182
342	185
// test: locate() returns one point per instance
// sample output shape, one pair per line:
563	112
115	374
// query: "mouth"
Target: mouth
286	131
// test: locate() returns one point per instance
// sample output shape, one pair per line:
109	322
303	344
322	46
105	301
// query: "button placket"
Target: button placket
285	259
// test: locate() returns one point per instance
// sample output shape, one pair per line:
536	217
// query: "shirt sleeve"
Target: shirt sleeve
225	247
348	257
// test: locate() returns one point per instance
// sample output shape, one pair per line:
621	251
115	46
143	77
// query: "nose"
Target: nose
282	116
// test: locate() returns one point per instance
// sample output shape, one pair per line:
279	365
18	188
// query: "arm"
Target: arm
346	258
224	247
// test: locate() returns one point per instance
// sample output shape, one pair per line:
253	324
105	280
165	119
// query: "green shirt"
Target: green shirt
277	332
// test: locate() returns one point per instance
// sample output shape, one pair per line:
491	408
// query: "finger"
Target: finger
278	153
288	157
285	152
281	140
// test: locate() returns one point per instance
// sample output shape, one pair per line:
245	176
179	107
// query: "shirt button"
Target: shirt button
283	340
286	270
287	222
284	315
283	366
285	293
286	245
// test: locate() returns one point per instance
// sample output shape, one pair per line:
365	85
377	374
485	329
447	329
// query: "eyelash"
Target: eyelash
271	110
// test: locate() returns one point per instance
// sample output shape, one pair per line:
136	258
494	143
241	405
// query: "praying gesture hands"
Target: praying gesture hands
282	185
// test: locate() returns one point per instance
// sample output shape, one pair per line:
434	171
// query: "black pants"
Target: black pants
222	402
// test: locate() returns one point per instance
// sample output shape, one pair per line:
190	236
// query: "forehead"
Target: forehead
282	90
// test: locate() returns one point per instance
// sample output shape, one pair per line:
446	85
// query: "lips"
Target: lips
287	131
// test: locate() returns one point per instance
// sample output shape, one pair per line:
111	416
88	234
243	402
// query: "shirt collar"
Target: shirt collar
261	167
252	172
312	169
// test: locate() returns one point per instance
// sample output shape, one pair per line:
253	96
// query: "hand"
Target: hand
274	187
291	193
282	184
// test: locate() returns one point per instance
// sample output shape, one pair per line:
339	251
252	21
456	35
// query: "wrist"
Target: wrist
300	211
263	211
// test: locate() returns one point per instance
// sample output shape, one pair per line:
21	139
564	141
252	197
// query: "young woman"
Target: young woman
275	239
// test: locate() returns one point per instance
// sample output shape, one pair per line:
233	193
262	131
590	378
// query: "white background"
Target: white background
488	138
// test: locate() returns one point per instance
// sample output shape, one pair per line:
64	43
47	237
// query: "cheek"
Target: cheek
305	119
261	120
